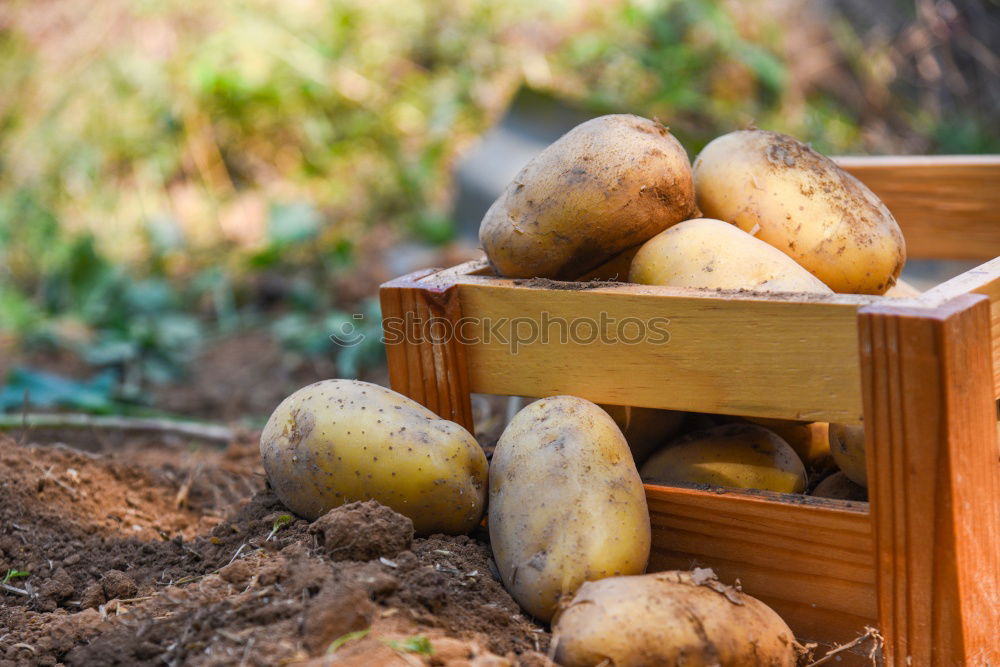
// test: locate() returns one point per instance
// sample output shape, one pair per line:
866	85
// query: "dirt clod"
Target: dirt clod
363	531
118	586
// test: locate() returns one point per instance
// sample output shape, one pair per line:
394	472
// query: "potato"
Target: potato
340	441
803	204
743	456
566	503
606	185
838	485
645	429
810	440
670	618
847	446
714	254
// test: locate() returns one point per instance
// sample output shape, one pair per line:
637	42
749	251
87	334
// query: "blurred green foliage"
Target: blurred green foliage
158	157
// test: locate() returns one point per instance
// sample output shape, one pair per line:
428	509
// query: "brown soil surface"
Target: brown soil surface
145	553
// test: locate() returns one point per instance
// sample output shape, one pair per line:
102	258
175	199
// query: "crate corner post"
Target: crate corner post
425	354
934	479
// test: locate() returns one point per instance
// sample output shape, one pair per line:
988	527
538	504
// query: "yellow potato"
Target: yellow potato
606	185
810	440
847	446
670	618
340	441
803	204
645	429
714	254
566	503
743	456
838	485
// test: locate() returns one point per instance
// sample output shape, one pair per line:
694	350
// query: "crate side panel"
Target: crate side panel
745	357
948	207
813	564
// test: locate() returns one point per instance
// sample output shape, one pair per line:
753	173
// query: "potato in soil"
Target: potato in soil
566	503
670	618
606	185
707	253
741	455
341	441
804	205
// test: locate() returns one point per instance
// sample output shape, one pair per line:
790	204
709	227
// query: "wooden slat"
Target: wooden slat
947	206
933	480
984	279
755	355
812	563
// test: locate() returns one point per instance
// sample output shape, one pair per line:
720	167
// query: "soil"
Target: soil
149	553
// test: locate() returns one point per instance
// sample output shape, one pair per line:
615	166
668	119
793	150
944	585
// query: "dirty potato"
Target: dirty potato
847	446
742	456
803	204
341	441
606	185
670	618
645	429
710	253
566	503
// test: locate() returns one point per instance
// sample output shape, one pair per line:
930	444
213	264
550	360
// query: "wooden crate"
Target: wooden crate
921	561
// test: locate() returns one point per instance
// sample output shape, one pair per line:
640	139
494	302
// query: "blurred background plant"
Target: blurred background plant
174	175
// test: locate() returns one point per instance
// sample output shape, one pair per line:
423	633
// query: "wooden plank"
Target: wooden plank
934	480
984	279
730	353
425	362
947	206
812	563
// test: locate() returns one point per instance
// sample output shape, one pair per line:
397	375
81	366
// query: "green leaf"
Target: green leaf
414	644
48	390
349	637
13	574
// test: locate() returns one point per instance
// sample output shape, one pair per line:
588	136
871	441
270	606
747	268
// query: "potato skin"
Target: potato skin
341	441
608	184
805	205
566	503
741	455
645	429
670	618
847	446
810	440
838	485
709	253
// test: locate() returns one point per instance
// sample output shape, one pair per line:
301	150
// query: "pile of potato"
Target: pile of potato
567	515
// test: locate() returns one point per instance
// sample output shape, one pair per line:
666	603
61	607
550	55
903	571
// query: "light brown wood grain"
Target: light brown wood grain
934	480
741	354
431	370
947	206
810	560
